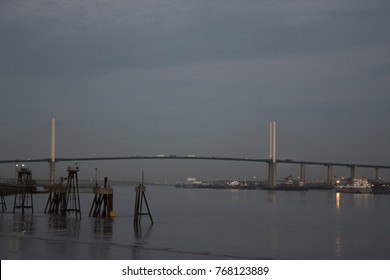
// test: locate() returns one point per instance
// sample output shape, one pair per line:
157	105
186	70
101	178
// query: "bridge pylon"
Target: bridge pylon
272	155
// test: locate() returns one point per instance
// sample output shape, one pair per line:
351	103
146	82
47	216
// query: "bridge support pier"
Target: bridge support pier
330	175
272	174
353	171
303	173
377	173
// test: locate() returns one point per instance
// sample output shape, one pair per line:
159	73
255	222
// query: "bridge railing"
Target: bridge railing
84	185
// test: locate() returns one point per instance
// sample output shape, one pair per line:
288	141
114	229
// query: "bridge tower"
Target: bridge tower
24	189
53	153
272	155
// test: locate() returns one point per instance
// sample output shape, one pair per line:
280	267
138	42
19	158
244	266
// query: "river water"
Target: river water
207	224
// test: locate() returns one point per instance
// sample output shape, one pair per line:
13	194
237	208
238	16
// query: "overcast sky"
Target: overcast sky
195	77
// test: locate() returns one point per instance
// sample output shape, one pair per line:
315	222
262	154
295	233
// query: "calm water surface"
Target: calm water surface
207	224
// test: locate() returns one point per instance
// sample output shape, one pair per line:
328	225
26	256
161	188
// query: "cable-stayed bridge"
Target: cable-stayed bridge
270	162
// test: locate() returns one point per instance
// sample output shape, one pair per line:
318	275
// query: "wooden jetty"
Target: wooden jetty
65	199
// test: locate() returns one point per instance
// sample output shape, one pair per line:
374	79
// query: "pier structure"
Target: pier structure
57	198
24	190
103	202
64	198
2	201
72	203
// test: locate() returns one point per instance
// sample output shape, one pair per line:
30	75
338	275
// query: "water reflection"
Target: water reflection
23	223
272	197
362	200
357	200
61	225
141	235
22	227
103	228
338	199
303	197
273	242
338	244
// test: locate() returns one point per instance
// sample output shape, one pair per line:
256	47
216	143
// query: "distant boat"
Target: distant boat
354	185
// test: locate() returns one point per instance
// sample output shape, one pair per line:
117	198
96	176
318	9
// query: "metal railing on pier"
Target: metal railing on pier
9	186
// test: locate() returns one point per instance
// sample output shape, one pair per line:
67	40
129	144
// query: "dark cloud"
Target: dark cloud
204	77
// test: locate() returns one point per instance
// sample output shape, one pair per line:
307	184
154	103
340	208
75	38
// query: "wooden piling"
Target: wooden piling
2	201
65	198
103	202
57	198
